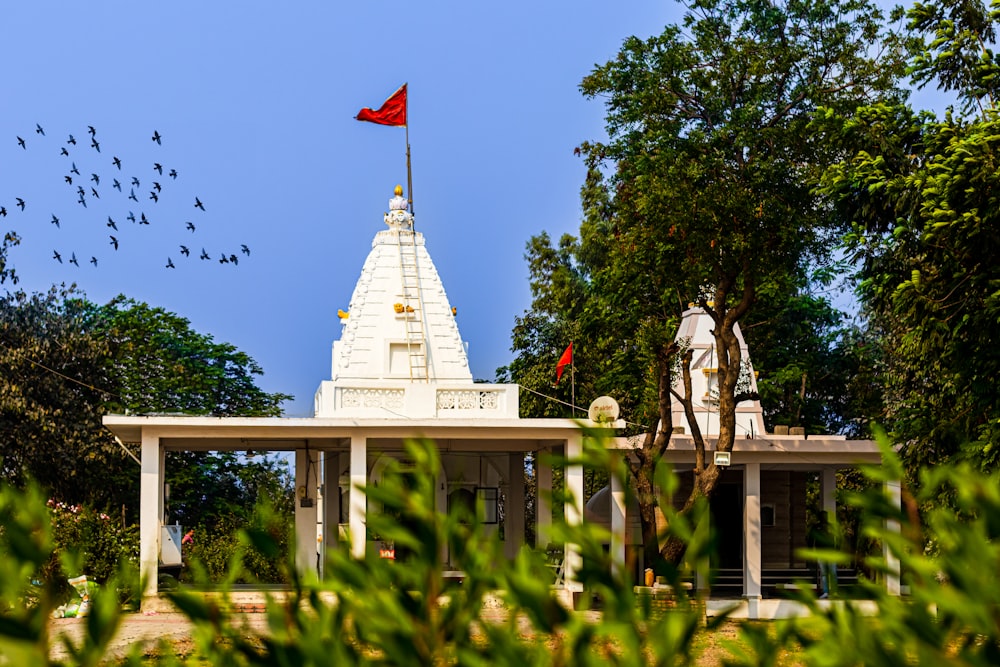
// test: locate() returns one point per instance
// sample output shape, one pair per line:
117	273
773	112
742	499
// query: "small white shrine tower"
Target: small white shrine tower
695	331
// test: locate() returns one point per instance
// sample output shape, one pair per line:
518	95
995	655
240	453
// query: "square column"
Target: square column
543	500
828	492
306	510
752	539
892	489
150	510
331	503
514	506
573	510
359	502
619	520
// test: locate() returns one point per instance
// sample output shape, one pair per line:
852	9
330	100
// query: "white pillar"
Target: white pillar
514	505
892	488
752	538
306	505
359	505
543	500
573	510
619	520
331	502
150	510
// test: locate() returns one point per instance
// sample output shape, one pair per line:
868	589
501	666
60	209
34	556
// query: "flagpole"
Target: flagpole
572	378
409	173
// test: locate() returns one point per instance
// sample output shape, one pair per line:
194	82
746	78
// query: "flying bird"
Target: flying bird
204	255
190	226
157	187
158	167
142	219
63	151
170	264
83	201
95	178
94	144
71	140
173	174
56	256
94	192
114	241
55	220
80	190
39	130
115	184
198	204
20	142
244	249
72	259
185	251
93	260
112	224
93	132
69	179
234	259
156	136
117	162
154	196
74	170
20	202
131	195
223	260
135	181
3	211
130	216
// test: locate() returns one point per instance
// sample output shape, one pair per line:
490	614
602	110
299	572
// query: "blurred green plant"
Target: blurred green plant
27	599
384	612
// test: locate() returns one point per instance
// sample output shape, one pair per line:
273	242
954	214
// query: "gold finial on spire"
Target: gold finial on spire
398	191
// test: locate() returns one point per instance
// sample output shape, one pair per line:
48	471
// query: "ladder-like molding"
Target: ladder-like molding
416	341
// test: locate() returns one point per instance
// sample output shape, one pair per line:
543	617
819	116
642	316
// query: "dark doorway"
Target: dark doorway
727	521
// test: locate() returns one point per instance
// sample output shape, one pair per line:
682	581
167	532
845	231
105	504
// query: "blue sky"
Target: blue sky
255	104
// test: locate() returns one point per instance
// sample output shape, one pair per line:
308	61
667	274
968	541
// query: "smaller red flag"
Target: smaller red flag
392	111
565	360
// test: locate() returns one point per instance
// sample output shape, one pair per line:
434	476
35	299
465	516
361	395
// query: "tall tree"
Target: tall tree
53	385
65	362
921	193
159	364
702	194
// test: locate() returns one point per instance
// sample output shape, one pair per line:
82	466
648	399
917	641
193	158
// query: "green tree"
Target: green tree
159	364
65	362
702	195
53	384
921	194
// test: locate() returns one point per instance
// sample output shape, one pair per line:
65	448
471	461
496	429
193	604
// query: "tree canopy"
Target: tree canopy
65	362
921	193
703	194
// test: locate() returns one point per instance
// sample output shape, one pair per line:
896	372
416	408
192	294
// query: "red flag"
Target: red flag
392	111
565	360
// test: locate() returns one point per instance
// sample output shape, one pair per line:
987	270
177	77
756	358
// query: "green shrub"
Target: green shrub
90	542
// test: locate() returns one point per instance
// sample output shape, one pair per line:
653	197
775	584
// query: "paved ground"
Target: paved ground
143	628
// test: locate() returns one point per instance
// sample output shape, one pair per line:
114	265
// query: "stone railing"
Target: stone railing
465	399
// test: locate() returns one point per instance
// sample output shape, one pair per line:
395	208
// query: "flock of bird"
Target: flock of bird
88	186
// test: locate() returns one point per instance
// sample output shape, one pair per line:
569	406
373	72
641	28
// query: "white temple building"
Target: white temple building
400	370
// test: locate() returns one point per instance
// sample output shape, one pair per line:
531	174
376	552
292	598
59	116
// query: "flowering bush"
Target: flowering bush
89	542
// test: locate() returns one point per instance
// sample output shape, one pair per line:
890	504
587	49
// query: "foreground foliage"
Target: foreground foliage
380	612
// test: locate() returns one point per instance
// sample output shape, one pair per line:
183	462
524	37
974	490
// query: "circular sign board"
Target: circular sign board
604	409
